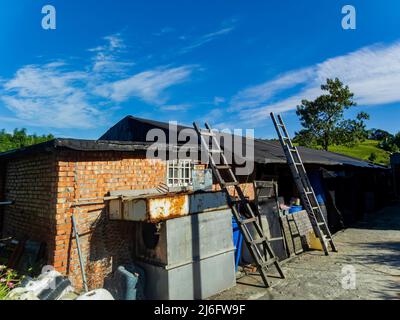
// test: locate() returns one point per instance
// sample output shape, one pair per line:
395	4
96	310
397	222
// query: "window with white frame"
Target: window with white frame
179	173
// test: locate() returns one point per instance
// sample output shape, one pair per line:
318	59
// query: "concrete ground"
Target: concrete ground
371	248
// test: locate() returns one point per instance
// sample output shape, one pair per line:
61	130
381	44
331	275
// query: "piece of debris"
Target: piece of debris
50	285
98	294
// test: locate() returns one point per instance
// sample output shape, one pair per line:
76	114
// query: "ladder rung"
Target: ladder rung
275	239
228	184
321	223
297	163
249	220
215	150
222	167
258	241
207	133
269	262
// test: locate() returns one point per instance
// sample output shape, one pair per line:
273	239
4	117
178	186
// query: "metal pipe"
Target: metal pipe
6	203
79	253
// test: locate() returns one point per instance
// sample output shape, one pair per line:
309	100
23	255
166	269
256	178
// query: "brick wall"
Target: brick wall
105	244
31	182
46	189
247	188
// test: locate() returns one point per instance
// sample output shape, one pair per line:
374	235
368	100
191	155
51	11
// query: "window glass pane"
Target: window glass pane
179	172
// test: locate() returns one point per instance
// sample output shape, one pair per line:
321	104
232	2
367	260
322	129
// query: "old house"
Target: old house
49	182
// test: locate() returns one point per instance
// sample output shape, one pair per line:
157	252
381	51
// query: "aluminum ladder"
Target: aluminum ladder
244	216
304	187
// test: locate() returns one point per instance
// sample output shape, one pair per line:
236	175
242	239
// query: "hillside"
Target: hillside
363	151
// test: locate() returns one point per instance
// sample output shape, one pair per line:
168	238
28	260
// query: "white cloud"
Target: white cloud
372	73
218	100
46	95
163	31
176	107
207	38
148	85
106	59
57	96
259	94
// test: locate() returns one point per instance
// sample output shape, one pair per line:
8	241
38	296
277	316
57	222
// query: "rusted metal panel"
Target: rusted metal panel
156	208
167	207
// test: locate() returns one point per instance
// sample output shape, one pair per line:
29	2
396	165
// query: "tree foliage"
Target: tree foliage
378	134
19	138
323	118
391	143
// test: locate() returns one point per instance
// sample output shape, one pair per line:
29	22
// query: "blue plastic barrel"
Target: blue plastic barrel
294	209
316	183
237	242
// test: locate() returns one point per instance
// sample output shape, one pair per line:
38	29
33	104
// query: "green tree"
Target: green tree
378	134
323	118
391	143
19	138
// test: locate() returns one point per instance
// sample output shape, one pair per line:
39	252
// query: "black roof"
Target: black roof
76	144
265	151
129	135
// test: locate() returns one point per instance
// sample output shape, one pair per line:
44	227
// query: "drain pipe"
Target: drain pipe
79	254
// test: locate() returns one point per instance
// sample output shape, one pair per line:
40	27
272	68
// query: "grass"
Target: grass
363	151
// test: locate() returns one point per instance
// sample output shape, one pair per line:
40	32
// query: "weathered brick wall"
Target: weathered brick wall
31	183
105	244
247	188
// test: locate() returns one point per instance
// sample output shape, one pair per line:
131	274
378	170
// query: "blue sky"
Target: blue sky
228	62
